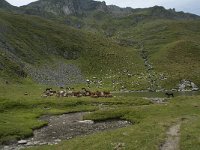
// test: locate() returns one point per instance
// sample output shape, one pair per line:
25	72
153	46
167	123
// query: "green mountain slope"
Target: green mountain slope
32	41
97	16
137	49
172	48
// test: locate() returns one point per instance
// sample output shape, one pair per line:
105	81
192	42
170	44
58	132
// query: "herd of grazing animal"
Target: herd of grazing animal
68	92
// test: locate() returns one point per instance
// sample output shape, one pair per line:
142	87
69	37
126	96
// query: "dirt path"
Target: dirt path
173	138
65	127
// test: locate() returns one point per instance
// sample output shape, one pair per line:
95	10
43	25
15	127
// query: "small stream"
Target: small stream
156	94
65	127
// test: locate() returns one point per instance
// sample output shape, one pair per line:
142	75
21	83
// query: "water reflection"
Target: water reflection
156	94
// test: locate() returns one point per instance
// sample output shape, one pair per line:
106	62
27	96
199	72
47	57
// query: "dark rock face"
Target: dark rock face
64	7
80	8
4	4
161	12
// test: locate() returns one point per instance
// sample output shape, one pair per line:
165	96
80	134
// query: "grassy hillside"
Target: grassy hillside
105	47
34	41
172	46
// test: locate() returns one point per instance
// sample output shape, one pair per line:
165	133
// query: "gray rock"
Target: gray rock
195	89
186	85
6	147
22	142
58	140
87	121
29	144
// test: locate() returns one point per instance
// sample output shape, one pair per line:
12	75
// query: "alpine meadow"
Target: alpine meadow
84	75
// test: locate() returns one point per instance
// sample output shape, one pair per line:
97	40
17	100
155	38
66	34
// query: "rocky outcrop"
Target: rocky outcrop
64	7
186	85
83	7
5	5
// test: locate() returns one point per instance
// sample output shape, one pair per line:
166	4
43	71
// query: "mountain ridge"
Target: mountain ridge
79	7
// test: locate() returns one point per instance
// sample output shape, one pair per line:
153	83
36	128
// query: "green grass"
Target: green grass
19	116
189	134
19	113
172	46
148	130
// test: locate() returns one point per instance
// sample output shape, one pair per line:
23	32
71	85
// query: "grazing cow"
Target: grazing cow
77	94
169	94
94	95
61	93
48	92
99	94
69	93
83	92
88	93
107	94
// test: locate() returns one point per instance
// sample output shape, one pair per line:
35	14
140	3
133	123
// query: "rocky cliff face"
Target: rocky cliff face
5	5
65	7
83	7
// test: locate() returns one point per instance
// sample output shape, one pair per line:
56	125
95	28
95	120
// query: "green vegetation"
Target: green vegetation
19	116
106	47
19	113
37	41
149	130
172	47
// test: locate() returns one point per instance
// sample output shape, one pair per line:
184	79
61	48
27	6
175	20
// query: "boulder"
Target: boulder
186	85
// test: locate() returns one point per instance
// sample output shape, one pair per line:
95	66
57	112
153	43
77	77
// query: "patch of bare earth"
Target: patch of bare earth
173	138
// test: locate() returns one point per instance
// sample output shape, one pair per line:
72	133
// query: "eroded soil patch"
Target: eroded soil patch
173	138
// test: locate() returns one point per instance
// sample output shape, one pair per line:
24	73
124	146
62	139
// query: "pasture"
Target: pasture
150	122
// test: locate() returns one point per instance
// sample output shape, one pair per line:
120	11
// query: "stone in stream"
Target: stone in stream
30	144
58	140
87	121
22	142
